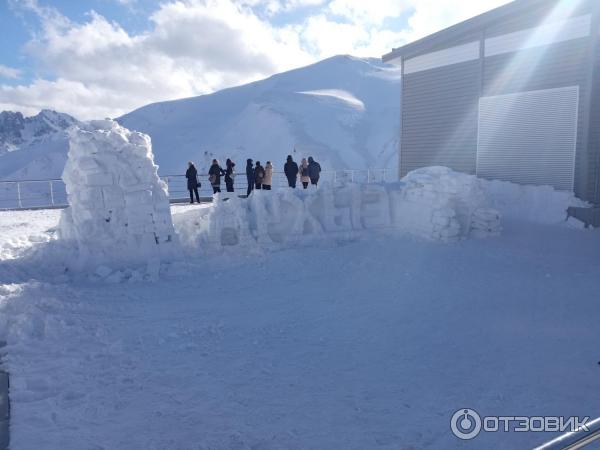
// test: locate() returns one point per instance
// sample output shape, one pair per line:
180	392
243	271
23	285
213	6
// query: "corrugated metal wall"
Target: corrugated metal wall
440	106
594	146
535	16
439	118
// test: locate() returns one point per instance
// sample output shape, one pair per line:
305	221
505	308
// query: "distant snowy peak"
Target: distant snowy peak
343	111
33	147
17	131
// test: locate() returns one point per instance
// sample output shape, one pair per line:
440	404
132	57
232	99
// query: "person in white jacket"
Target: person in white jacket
303	173
268	180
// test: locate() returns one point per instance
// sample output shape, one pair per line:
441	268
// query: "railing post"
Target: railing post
368	176
19	202
334	178
51	193
352	176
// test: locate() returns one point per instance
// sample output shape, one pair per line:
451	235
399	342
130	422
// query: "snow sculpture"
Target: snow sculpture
433	203
119	209
438	203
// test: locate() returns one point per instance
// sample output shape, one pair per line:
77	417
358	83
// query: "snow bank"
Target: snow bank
524	203
119	209
527	203
433	203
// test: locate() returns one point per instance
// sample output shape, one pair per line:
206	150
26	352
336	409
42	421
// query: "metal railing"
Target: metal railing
178	183
576	439
32	194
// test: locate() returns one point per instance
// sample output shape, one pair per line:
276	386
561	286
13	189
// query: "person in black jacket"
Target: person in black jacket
291	171
192	181
314	171
249	176
259	175
214	176
229	174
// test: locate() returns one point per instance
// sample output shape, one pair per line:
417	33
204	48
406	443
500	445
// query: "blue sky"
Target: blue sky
99	58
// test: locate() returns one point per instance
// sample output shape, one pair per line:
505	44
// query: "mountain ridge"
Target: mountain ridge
344	111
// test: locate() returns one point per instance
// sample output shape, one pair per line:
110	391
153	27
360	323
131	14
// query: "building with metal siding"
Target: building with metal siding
512	94
594	173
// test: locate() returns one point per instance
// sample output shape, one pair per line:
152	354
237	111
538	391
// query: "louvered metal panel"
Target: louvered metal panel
529	137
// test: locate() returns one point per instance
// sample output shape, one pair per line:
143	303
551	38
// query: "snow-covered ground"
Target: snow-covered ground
370	343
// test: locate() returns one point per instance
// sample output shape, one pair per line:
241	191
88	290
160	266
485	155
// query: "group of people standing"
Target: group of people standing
258	177
308	172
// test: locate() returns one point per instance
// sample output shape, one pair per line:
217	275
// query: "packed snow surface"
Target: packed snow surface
358	343
352	316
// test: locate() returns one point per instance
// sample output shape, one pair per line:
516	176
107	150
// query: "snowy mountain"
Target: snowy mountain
344	111
33	147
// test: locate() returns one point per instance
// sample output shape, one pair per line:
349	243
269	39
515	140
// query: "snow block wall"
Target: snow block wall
433	203
439	203
119	210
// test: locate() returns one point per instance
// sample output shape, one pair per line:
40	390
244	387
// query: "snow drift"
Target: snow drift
528	203
119	209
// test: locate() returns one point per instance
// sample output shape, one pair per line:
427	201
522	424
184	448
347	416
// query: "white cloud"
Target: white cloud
96	68
372	12
9	72
194	47
358	26
434	15
61	95
273	7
